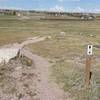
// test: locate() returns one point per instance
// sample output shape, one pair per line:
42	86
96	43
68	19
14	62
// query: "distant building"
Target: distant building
7	12
86	16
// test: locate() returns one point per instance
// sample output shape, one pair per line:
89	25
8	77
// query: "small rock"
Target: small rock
91	35
49	37
62	34
81	33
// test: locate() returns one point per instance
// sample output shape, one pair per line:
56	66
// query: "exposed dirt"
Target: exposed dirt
29	81
10	51
17	81
47	90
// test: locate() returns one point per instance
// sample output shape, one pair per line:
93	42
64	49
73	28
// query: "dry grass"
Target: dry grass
67	54
68	57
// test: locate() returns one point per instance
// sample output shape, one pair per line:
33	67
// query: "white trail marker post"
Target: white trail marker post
88	72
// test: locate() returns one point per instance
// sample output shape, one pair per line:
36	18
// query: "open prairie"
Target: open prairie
65	48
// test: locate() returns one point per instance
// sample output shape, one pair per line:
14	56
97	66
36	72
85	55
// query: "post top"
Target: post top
90	50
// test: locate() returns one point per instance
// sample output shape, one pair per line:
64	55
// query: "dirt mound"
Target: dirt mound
18	81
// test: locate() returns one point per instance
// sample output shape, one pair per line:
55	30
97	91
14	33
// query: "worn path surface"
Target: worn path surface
10	51
46	88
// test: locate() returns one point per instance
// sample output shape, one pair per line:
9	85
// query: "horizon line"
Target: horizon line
39	10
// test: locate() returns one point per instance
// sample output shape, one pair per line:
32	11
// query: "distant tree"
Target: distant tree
14	12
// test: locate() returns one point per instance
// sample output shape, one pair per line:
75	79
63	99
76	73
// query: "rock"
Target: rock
81	33
62	34
49	37
91	35
26	61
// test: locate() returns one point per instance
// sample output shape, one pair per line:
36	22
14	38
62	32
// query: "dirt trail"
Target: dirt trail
32	40
47	90
12	50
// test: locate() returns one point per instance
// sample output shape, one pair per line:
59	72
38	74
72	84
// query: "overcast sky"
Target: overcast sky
53	5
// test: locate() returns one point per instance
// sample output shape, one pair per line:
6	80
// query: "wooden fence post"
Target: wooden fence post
88	72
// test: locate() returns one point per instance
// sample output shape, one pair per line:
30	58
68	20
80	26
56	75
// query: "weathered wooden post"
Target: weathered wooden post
88	72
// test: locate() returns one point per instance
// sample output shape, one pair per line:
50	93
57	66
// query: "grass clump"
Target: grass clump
26	61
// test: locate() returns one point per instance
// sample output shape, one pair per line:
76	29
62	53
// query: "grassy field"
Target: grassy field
67	53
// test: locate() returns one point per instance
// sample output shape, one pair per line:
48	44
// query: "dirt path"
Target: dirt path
12	50
47	90
32	40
